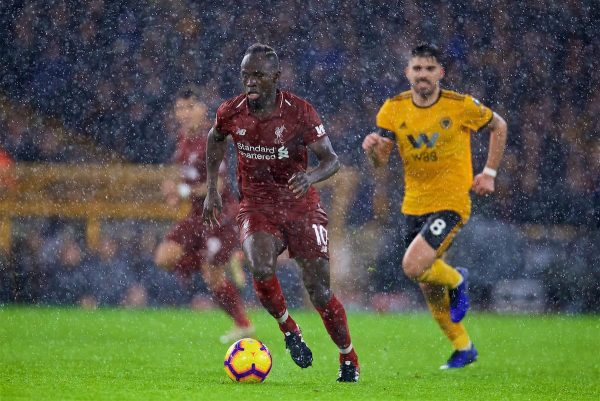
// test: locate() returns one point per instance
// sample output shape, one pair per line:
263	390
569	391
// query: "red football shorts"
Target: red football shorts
203	244
304	235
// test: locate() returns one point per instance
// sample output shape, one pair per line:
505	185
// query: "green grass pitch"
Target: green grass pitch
72	354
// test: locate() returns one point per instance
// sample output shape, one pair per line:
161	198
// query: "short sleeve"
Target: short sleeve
384	117
313	127
476	115
223	124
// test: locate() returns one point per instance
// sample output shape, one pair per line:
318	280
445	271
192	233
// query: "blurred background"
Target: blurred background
87	134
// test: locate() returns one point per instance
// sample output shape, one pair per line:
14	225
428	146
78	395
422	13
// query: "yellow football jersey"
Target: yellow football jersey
435	145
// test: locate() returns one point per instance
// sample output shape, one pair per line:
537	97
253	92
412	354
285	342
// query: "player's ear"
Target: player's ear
442	72
276	76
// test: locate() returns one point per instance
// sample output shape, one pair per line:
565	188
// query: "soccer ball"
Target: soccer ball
248	361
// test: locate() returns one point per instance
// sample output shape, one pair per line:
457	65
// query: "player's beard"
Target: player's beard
256	104
427	92
259	104
263	102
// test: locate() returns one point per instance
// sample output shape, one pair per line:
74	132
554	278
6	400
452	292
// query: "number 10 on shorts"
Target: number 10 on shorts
321	234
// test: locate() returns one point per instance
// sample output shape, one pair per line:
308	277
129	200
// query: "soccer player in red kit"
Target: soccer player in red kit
279	207
191	244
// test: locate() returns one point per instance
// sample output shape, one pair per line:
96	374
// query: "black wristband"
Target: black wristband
385	133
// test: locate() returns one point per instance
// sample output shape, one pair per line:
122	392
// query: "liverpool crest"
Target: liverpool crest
279	134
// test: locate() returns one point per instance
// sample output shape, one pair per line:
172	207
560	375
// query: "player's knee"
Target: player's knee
262	271
261	267
412	269
213	276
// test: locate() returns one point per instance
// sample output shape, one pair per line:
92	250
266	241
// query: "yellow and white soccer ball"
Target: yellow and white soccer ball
248	361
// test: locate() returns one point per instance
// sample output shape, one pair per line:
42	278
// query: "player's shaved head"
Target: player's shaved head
267	51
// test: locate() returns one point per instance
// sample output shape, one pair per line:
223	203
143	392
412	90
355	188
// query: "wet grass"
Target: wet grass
71	354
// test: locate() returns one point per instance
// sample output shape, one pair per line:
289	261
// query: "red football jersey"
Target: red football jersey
190	154
271	150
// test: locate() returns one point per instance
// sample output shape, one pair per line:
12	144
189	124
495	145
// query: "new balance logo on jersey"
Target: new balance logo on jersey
282	153
320	130
423	139
240	132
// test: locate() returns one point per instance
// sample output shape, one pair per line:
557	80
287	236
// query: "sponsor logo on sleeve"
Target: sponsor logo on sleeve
320	130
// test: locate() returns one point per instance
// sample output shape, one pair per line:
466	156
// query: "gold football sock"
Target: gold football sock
456	332
441	273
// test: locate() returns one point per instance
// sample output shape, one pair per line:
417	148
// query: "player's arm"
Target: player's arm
198	190
483	183
215	152
201	189
328	166
378	146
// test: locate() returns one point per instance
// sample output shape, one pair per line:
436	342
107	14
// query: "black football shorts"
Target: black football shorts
437	228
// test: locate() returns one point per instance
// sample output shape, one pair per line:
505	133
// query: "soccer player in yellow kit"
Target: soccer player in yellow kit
431	128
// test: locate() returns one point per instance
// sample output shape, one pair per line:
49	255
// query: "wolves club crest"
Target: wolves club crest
445	122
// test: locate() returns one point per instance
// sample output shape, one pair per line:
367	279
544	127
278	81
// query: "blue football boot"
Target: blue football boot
460	359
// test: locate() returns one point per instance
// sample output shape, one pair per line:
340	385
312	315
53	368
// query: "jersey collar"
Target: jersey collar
431	105
279	101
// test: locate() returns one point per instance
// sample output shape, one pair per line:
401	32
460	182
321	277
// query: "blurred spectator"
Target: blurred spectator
7	177
109	274
67	280
161	287
30	277
7	278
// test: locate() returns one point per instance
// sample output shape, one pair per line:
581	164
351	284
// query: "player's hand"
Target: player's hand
169	191
299	183
377	147
483	184
211	211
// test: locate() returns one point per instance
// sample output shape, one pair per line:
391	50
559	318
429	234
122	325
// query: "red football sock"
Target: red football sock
350	356
228	298
271	297
334	318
